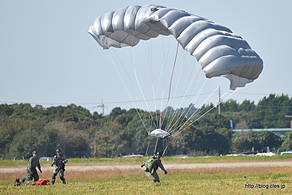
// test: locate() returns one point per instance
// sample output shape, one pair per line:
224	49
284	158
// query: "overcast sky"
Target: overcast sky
48	58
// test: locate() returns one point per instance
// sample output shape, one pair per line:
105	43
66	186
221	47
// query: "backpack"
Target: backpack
151	164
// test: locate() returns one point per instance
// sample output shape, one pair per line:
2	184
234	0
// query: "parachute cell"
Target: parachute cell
218	50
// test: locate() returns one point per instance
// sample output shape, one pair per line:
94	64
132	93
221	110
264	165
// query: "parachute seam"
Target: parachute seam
190	22
198	29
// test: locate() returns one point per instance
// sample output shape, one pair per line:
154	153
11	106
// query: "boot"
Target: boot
64	181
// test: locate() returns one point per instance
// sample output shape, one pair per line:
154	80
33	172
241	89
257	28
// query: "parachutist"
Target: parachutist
59	160
154	9
33	163
217	49
151	165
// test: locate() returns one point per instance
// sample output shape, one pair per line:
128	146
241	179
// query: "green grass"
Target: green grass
199	181
213	159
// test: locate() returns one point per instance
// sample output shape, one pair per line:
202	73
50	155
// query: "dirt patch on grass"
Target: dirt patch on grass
125	172
233	170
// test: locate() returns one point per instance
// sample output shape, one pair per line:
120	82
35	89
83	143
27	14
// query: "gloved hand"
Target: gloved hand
41	171
142	164
52	165
165	172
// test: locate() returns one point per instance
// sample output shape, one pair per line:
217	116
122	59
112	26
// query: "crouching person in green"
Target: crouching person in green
33	163
151	165
59	161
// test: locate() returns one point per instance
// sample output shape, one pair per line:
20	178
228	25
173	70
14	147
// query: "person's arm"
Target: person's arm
29	164
162	168
39	167
64	159
54	161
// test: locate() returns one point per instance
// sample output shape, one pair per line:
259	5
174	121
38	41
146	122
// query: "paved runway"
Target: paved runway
167	166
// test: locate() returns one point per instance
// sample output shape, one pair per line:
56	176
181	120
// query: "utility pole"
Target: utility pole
102	106
219	101
290	116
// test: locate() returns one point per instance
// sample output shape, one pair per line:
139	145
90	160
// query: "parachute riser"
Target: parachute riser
164	150
156	145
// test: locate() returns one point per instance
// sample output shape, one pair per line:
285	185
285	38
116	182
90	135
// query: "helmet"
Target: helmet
158	153
58	151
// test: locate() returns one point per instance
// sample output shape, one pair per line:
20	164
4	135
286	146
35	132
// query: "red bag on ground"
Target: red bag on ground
42	182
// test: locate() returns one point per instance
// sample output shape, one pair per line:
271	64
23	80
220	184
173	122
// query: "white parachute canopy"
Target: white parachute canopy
218	50
159	133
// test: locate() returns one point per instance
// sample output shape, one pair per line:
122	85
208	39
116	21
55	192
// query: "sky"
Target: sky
47	57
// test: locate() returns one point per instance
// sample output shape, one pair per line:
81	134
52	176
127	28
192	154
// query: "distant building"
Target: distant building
289	116
278	131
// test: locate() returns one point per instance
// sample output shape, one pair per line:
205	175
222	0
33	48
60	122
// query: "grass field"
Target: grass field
245	180
265	180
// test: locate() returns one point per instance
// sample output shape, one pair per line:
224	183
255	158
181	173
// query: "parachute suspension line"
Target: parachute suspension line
236	90
137	80
146	152
155	106
148	49
171	77
165	150
185	112
149	52
176	89
209	109
140	88
125	86
194	79
165	142
182	123
170	83
165	147
179	123
156	144
162	76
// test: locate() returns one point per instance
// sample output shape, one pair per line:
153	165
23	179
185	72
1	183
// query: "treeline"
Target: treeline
24	128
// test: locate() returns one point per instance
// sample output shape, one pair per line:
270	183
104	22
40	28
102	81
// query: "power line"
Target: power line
121	102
